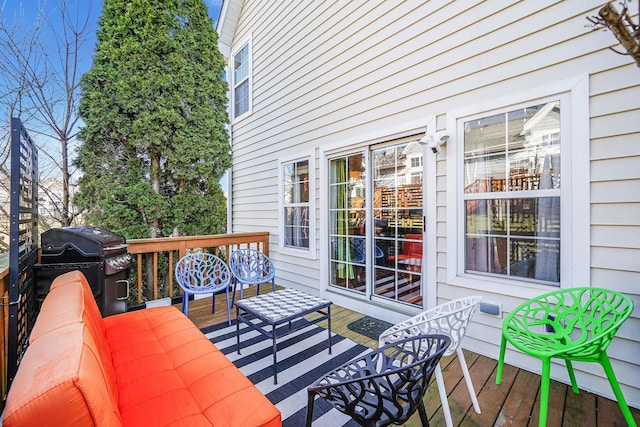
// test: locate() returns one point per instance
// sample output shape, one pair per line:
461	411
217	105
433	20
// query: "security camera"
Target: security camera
435	141
434	144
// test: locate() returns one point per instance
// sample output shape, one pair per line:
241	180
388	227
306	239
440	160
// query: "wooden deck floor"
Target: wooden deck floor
515	402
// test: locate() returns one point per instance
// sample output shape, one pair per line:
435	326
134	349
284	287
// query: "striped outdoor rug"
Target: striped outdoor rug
303	357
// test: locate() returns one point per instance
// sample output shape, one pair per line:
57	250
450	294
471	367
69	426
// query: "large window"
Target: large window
511	196
296	203
241	81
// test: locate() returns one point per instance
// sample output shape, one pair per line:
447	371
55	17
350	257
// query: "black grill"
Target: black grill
100	254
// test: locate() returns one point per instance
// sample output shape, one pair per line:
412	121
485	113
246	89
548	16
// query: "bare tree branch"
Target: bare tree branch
40	82
622	26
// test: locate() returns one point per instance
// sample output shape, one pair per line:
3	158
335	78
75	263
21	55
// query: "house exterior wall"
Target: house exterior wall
333	75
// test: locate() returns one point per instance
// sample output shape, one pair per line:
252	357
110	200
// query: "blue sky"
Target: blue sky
23	16
26	11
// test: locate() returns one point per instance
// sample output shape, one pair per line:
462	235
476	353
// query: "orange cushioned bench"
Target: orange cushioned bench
147	367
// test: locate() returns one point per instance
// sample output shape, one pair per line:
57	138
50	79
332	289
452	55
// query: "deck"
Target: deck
515	402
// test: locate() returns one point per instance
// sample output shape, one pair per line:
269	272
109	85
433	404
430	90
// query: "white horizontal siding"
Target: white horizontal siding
331	73
618	146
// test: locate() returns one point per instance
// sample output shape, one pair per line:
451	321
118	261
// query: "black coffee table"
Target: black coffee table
277	308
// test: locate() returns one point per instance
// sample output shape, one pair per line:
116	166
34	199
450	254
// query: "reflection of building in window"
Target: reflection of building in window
407	198
296	203
512	193
241	75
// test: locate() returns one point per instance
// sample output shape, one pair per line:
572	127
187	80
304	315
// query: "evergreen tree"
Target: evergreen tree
155	143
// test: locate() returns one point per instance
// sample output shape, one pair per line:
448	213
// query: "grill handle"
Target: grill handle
126	297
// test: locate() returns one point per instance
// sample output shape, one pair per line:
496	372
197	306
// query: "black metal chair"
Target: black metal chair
385	386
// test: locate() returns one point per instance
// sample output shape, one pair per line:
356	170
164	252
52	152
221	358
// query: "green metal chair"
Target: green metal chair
571	324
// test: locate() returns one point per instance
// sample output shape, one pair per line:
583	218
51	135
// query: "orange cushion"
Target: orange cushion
61	381
134	368
65	305
166	367
71	279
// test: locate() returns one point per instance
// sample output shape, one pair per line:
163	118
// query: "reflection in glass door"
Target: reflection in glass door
390	255
347	213
398	222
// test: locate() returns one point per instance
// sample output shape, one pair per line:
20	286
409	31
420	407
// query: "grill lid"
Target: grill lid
89	241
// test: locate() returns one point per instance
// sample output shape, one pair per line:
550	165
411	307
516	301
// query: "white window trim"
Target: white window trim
246	41
309	252
575	229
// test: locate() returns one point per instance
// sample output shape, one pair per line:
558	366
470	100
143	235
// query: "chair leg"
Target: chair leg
467	378
544	391
572	377
443	396
503	347
228	306
185	304
213	303
423	414
310	399
608	369
233	293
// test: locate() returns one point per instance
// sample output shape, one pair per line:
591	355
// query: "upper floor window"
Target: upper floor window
241	81
512	194
295	203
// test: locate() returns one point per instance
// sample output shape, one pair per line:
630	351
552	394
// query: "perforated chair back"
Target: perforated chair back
203	273
451	318
385	386
569	323
575	324
251	267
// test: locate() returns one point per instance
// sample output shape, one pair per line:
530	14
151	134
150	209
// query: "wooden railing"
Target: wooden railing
148	253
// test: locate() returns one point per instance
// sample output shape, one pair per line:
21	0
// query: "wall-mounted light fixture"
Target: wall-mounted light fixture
435	141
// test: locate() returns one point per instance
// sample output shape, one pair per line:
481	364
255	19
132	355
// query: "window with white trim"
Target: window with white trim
241	81
296	204
511	195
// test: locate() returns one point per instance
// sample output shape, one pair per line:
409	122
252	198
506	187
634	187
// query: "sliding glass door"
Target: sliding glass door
376	223
347	224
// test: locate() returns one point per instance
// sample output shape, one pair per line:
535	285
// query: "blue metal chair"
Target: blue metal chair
359	249
202	273
251	267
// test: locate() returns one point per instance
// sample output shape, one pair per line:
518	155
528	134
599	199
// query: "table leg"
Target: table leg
329	328
275	350
237	329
